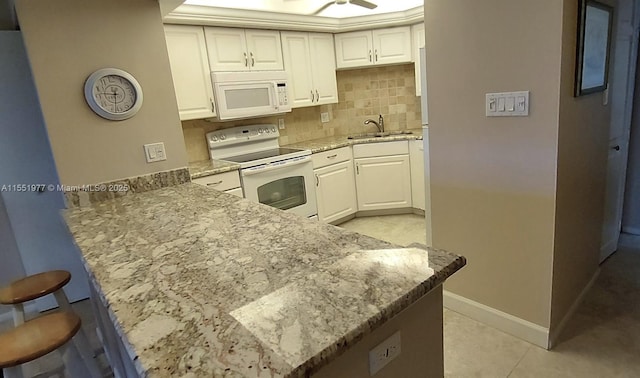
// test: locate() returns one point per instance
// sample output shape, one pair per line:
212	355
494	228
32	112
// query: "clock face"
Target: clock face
113	94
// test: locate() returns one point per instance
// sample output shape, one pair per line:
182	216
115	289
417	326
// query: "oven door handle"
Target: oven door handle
273	167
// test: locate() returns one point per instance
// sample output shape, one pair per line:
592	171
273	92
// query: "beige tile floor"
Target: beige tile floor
602	340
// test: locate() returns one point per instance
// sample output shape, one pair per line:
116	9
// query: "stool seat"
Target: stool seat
37	337
33	287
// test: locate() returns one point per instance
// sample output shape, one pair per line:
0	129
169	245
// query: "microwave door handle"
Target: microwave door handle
274	95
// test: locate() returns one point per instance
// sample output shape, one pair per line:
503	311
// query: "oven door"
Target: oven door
286	185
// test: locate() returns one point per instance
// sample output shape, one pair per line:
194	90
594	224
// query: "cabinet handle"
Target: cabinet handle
317	181
317	96
357	169
376	55
215	183
617	148
213	106
246	60
332	156
370	56
253	60
312	97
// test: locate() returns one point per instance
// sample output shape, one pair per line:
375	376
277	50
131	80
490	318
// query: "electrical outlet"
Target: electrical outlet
281	124
154	152
384	353
324	117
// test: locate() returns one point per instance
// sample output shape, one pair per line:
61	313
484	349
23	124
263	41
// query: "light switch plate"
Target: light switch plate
507	104
281	124
154	152
324	117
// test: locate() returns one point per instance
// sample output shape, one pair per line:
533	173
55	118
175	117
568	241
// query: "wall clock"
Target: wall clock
113	94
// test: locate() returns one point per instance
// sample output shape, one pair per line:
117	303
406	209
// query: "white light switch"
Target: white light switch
507	104
154	152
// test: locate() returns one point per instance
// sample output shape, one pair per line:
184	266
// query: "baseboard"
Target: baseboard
523	329
631	230
555	333
375	213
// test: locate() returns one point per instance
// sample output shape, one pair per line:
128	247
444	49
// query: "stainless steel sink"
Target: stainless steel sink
379	135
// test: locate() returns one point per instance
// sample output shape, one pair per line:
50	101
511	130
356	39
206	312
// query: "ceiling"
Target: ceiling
308	7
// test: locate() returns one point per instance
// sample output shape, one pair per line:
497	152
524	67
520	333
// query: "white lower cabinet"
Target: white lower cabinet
416	157
335	184
228	182
383	176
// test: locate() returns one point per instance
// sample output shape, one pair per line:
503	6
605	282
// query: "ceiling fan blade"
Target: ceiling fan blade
363	3
327	5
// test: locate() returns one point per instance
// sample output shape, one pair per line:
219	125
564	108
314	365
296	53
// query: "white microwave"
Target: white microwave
250	94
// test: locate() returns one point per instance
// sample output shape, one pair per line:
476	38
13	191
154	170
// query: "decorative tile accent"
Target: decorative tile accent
86	195
362	94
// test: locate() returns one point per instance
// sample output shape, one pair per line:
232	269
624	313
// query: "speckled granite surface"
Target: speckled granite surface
330	143
85	195
211	167
201	283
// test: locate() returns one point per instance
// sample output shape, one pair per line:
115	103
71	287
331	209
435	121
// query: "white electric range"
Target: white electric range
275	176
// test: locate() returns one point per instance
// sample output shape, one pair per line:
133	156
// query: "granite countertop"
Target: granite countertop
201	283
211	167
330	143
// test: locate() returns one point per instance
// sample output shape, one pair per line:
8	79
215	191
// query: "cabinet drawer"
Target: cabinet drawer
221	181
400	147
322	159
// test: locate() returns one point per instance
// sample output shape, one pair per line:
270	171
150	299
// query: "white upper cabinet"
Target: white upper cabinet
354	49
374	47
310	61
418	42
190	71
232	49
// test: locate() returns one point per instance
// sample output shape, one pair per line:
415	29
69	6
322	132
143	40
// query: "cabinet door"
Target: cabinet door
264	49
295	49
323	62
383	182
418	42
190	71
392	45
354	49
335	191
416	158
227	49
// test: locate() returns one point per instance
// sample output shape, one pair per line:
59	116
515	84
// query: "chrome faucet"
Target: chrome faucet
379	124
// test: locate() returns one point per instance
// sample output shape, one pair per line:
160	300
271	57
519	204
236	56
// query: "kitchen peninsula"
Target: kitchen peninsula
189	281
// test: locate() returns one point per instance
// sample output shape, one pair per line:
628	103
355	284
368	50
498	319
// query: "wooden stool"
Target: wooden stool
38	337
39	285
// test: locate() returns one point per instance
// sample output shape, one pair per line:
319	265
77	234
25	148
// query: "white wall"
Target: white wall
41	236
11	267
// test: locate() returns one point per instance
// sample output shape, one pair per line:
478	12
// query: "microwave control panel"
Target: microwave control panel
282	94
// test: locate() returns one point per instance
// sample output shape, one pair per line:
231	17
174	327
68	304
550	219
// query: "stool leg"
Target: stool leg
18	314
71	358
13	372
80	340
81	344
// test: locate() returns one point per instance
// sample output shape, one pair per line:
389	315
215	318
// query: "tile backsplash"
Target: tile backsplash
362	94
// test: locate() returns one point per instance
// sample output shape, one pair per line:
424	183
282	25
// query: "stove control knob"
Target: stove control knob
273	129
261	131
214	138
223	137
267	131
